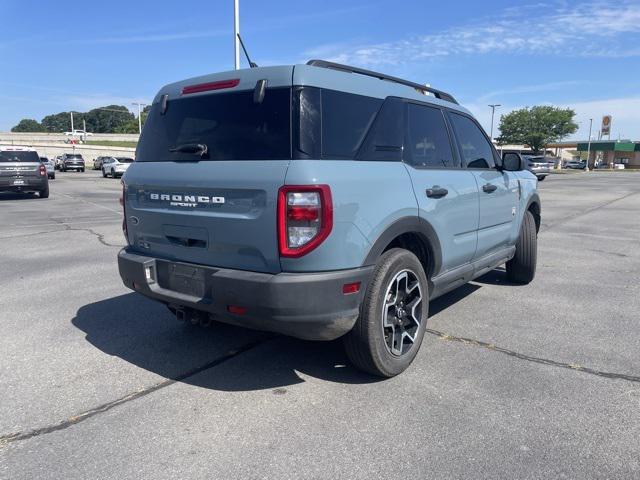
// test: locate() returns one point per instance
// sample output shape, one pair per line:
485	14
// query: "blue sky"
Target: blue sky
62	55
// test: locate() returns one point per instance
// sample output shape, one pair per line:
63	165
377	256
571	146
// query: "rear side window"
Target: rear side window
19	156
346	119
428	139
475	149
231	125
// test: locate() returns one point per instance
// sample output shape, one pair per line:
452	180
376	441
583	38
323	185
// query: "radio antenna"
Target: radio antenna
251	64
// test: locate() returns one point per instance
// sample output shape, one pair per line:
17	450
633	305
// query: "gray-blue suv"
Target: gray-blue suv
320	201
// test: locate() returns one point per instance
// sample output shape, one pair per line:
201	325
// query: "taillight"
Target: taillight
305	218
124	211
43	170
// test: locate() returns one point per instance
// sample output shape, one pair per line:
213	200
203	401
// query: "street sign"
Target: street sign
606	125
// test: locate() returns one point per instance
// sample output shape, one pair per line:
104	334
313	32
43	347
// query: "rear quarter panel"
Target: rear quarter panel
367	198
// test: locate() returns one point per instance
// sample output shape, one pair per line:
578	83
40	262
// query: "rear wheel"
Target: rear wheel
44	193
393	316
522	267
82	170
541	177
113	173
104	174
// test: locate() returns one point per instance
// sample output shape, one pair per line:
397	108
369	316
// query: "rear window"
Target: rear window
18	156
231	125
125	159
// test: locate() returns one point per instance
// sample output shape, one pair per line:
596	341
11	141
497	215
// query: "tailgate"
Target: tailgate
19	169
216	213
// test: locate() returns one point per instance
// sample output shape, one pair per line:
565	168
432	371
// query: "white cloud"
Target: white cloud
589	29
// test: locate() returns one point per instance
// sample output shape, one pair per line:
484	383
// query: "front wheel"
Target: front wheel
113	173
104	174
522	267
541	178
393	316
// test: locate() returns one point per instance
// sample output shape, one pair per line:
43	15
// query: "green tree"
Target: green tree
61	122
28	125
536	126
132	125
107	119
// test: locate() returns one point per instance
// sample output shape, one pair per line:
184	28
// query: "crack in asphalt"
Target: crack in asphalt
17	436
529	358
99	236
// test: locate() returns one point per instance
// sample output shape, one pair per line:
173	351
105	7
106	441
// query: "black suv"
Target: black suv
72	161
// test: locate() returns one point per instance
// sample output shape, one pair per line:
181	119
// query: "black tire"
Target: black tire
367	344
113	173
82	170
104	174
44	193
522	267
541	178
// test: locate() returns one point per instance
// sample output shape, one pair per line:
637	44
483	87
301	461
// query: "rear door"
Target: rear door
215	207
447	194
498	190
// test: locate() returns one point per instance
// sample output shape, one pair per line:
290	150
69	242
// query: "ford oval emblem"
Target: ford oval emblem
134	220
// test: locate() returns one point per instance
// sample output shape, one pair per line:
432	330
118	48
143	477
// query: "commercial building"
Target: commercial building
609	153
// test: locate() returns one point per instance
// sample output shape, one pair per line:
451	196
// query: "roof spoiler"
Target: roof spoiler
381	76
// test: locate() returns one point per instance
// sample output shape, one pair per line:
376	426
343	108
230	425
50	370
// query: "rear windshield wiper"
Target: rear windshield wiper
193	148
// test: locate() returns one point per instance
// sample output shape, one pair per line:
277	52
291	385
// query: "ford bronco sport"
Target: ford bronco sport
320	201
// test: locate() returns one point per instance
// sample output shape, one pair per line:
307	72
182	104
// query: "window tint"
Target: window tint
428	142
346	119
19	156
475	149
385	139
231	125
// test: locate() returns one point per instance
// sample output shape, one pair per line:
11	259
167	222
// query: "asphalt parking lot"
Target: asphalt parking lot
537	381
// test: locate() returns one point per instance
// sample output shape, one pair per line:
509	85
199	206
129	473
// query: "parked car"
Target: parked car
320	201
50	166
22	171
56	162
78	133
97	162
72	161
115	166
576	165
537	165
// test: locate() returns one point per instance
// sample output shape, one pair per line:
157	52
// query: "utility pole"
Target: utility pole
493	111
140	105
586	167
236	31
84	129
71	121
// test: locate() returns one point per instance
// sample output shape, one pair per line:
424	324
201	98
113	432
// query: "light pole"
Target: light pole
493	111
140	105
236	31
586	166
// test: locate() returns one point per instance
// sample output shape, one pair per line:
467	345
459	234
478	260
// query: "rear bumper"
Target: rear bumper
30	184
311	306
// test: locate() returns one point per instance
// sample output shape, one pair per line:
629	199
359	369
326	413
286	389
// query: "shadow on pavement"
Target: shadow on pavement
18	196
144	333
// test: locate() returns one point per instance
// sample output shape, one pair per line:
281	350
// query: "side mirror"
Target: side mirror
512	162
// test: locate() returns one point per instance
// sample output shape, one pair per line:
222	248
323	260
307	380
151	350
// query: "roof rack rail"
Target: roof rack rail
361	71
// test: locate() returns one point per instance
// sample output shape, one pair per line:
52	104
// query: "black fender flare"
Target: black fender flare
535	199
412	224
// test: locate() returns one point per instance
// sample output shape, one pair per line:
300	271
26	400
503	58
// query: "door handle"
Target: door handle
436	192
487	187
